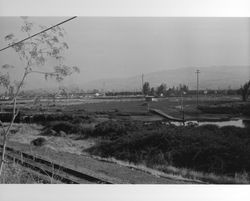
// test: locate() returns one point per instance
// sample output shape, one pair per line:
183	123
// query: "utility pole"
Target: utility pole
142	82
103	88
197	89
182	106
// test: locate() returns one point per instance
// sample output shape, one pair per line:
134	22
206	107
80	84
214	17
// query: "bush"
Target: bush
110	129
40	141
62	128
54	128
207	148
85	130
65	126
45	118
114	129
82	119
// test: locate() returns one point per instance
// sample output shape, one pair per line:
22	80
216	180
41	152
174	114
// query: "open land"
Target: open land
124	132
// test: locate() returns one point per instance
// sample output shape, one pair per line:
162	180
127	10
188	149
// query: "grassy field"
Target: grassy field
210	107
126	131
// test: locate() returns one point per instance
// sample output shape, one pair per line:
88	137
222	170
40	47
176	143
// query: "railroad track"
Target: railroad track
48	170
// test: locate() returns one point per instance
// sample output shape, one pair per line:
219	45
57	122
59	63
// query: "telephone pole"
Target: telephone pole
197	89
182	106
103	88
142	82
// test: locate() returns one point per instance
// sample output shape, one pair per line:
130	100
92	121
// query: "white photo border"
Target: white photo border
115	8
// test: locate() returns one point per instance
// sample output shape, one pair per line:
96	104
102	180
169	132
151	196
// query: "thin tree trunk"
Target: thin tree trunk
5	136
14	115
3	153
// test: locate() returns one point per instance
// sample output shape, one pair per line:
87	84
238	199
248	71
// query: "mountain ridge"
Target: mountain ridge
214	77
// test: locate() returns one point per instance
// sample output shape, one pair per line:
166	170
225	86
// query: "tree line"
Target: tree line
163	90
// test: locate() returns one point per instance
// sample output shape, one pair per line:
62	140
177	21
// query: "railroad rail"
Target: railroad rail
65	167
49	171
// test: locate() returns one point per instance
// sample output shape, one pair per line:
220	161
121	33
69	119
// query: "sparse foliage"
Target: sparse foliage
34	52
4	80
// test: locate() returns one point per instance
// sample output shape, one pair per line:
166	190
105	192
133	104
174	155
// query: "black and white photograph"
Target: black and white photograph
124	100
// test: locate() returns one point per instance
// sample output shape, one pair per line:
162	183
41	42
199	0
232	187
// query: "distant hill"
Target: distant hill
213	77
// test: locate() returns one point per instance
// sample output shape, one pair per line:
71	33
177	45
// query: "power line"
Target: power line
38	33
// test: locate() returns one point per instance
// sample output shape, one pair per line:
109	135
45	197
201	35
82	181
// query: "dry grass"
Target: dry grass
13	173
25	133
182	174
66	144
242	178
153	171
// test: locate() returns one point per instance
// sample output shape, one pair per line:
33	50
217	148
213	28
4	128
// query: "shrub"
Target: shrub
65	126
82	119
110	129
45	118
40	141
114	129
54	128
207	148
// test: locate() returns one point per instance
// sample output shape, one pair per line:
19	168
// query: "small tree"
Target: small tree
161	90
34	53
152	91
244	90
146	88
183	88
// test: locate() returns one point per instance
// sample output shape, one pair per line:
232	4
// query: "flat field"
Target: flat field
124	131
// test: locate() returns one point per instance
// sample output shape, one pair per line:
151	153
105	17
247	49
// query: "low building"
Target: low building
150	98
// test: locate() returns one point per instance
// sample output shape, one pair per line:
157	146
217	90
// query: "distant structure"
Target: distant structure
150	98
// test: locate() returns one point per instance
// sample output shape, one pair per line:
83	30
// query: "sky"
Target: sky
119	47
